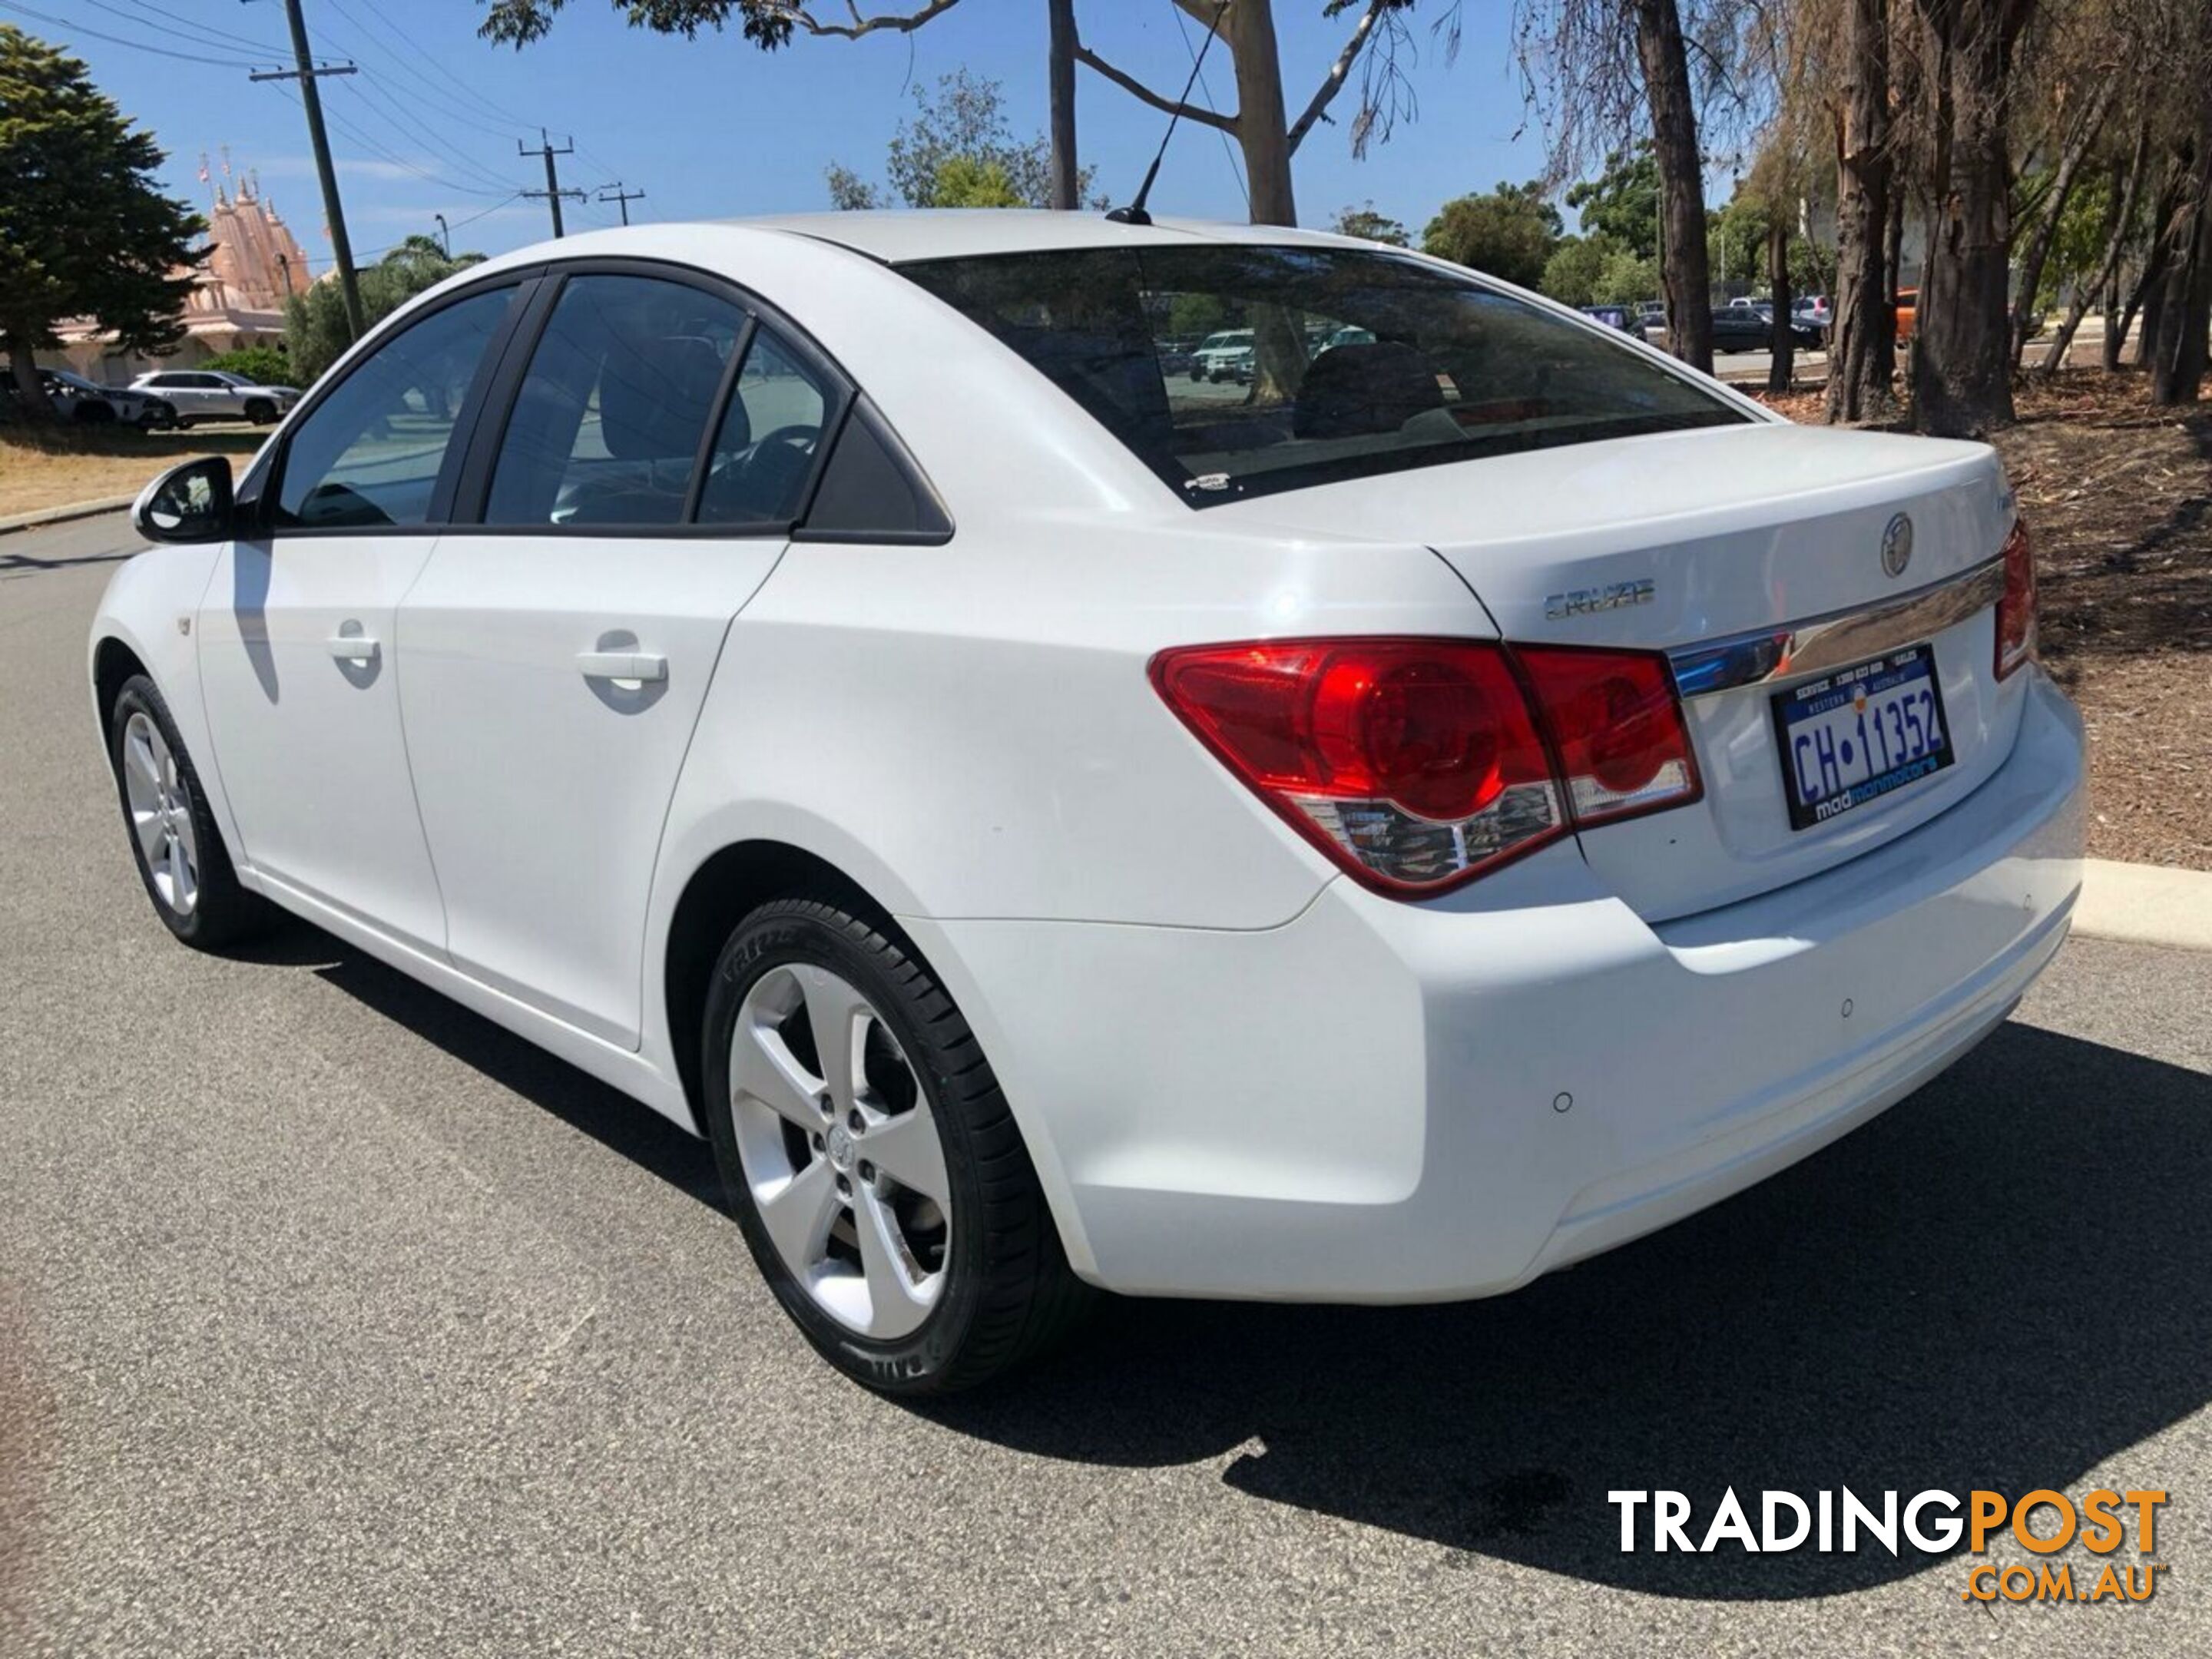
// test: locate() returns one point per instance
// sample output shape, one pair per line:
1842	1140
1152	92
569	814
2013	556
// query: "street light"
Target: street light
445	236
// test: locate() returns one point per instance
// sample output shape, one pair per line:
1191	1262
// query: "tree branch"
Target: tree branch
1333	83
1130	84
904	22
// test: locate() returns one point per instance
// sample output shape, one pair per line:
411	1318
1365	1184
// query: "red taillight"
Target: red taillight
2016	610
1417	764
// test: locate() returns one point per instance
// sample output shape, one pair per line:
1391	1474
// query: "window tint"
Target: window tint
870	488
608	424
765	451
370	454
1317	363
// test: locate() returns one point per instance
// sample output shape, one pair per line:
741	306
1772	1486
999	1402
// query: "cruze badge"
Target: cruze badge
1588	601
1897	545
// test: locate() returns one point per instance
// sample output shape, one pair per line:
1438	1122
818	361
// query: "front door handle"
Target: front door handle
353	647
621	666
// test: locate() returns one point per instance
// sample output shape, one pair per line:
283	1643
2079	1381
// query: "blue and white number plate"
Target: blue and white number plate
1860	733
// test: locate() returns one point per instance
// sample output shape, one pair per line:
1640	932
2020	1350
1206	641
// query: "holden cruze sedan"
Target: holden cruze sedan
1479	795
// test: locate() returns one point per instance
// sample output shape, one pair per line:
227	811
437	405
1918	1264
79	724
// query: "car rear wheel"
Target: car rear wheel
179	850
871	1159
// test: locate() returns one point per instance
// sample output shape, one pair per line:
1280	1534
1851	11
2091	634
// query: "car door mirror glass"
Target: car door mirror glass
188	503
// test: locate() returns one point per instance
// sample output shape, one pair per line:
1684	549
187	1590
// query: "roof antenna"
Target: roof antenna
1135	214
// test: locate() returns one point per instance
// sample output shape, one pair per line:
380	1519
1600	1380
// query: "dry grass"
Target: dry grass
43	469
2118	497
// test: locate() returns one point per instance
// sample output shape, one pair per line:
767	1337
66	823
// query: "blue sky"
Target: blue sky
714	127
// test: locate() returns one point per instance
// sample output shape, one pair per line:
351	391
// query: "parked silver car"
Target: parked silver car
211	394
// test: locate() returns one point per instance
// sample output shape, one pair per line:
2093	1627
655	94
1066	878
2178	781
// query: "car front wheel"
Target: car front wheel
180	852
261	411
871	1159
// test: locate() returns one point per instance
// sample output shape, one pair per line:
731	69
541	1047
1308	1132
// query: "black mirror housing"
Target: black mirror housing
188	503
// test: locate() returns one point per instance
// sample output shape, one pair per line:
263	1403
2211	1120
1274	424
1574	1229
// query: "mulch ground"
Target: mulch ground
2118	500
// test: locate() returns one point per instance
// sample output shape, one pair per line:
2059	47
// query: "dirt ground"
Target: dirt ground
57	469
2118	500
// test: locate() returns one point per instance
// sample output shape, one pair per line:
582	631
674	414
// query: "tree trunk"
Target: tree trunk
1262	129
2177	371
2127	185
2143	298
1061	75
1863	324
30	391
1962	361
1684	270
1782	343
2075	151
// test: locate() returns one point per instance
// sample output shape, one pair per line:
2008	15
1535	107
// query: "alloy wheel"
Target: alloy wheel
840	1150
161	815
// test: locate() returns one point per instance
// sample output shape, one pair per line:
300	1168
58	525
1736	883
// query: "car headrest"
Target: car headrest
1353	391
654	395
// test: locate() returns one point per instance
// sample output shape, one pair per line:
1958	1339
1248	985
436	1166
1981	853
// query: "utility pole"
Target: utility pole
615	193
304	70
552	192
1060	77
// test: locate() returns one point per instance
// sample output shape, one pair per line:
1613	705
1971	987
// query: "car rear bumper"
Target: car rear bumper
1386	1102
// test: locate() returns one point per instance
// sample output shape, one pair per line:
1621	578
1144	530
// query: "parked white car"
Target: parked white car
1482	799
209	394
1226	355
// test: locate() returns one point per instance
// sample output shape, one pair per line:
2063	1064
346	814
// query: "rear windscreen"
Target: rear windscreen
1236	370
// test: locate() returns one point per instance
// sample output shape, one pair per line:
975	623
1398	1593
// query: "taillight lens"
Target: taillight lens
1618	725
2016	610
1419	764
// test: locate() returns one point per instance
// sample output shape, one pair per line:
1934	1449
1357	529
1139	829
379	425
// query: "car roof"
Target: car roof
966	233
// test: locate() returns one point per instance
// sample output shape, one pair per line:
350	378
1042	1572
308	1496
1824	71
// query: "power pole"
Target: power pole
304	70
615	193
1060	77
552	192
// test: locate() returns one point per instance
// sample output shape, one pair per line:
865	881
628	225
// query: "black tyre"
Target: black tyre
261	411
180	852
870	1158
92	414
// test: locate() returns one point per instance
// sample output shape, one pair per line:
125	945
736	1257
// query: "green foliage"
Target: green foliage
1622	202
83	232
315	330
1510	233
268	364
1576	266
1195	315
1367	224
766	23
958	151
1627	279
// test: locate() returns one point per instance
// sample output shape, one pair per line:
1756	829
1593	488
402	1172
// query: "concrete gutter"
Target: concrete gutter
46	515
2145	904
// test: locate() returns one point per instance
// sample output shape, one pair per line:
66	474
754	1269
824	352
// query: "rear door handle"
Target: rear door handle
621	666
353	647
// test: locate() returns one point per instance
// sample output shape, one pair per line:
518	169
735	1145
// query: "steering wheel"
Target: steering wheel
800	436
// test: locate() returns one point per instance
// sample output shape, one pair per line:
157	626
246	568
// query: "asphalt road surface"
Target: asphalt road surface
334	1320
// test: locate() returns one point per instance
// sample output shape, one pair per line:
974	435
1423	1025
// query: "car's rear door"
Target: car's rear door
636	485
297	632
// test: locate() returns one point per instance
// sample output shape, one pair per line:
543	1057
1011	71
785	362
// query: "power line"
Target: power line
1235	171
221	36
75	29
401	118
192	37
430	96
472	93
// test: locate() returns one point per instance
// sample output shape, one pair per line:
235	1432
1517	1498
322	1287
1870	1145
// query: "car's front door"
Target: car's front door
297	640
557	656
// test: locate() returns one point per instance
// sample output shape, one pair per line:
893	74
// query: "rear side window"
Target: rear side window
1318	364
368	455
764	453
612	411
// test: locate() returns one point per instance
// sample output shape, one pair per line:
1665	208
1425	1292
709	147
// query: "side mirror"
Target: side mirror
187	503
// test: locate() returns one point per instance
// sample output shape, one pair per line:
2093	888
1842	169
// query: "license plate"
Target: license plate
1860	733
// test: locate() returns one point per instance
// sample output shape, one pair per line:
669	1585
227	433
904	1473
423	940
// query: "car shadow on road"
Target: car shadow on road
1998	1285
606	1114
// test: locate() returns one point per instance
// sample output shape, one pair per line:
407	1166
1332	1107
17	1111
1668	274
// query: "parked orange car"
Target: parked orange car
1908	306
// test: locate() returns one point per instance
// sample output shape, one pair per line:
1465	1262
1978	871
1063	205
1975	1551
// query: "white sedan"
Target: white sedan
1479	797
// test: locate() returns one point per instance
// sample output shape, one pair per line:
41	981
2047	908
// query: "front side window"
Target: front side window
367	456
613	409
1317	364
